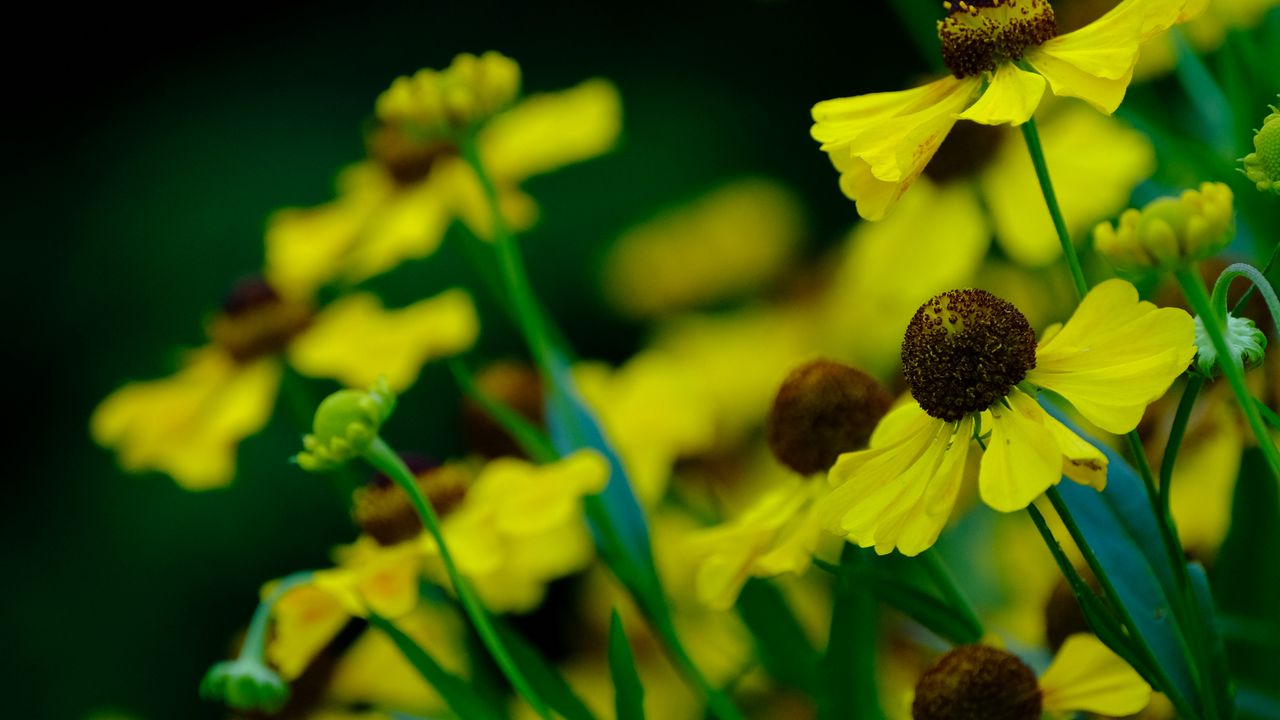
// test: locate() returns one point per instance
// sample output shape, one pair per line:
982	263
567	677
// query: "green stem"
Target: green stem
1179	428
1032	137
1198	298
254	646
1271	263
1258	281
527	436
945	582
383	458
849	665
1168	533
1164	682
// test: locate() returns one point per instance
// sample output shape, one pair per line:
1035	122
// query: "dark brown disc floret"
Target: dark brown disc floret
964	350
978	35
977	682
822	410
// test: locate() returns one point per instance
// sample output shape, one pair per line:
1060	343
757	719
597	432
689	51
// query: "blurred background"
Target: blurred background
149	151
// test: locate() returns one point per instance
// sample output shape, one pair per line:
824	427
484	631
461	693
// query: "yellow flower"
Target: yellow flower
971	361
1085	676
520	526
1169	232
1002	54
397	205
731	241
189	424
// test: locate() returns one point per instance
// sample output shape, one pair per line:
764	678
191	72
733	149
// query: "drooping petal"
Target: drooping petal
881	142
1081	460
1011	98
900	493
1087	677
1022	459
1115	355
306	619
189	424
354	340
1096	162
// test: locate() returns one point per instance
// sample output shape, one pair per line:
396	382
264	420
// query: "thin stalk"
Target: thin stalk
527	436
1108	588
1176	432
255	638
1198	298
383	458
1168	533
945	582
849	665
1032	137
1258	281
1271	263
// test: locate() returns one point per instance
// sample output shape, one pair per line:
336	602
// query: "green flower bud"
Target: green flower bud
245	684
345	424
1262	166
1246	343
1169	231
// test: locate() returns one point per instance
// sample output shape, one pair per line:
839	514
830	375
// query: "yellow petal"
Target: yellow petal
1011	97
189	424
308	248
1081	460
1087	677
900	494
354	340
548	131
306	619
1022	458
408	223
1115	355
880	143
1096	162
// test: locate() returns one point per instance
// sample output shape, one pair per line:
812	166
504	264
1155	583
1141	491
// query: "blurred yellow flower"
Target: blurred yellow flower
1002	55
1206	33
971	360
188	425
397	205
1169	232
654	410
731	241
447	102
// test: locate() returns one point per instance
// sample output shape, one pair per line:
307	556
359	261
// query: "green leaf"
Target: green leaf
780	642
1219	678
462	699
628	694
934	614
616	518
543	676
1120	527
849	665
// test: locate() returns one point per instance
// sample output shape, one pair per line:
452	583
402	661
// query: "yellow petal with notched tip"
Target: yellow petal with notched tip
1115	355
1086	676
1022	459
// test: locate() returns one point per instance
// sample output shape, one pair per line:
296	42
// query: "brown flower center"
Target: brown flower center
822	410
384	512
964	350
406	159
978	35
977	682
255	321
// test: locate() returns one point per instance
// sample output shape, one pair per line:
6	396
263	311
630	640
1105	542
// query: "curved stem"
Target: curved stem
1259	282
383	458
255	639
1204	307
1176	433
1032	137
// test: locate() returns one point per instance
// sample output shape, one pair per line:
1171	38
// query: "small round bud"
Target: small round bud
977	682
345	424
1262	166
1169	232
445	103
964	350
1245	342
245	684
822	410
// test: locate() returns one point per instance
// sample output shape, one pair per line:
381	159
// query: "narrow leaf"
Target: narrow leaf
780	642
1219	679
934	614
627	692
542	675
456	692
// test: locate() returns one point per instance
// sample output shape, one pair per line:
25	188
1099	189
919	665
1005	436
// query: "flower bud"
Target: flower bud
1262	166
245	684
445	103
345	424
1169	231
1245	342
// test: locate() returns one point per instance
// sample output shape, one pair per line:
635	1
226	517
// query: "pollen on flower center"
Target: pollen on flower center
256	321
977	682
964	350
977	35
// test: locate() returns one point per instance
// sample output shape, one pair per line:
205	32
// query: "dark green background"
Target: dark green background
147	152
